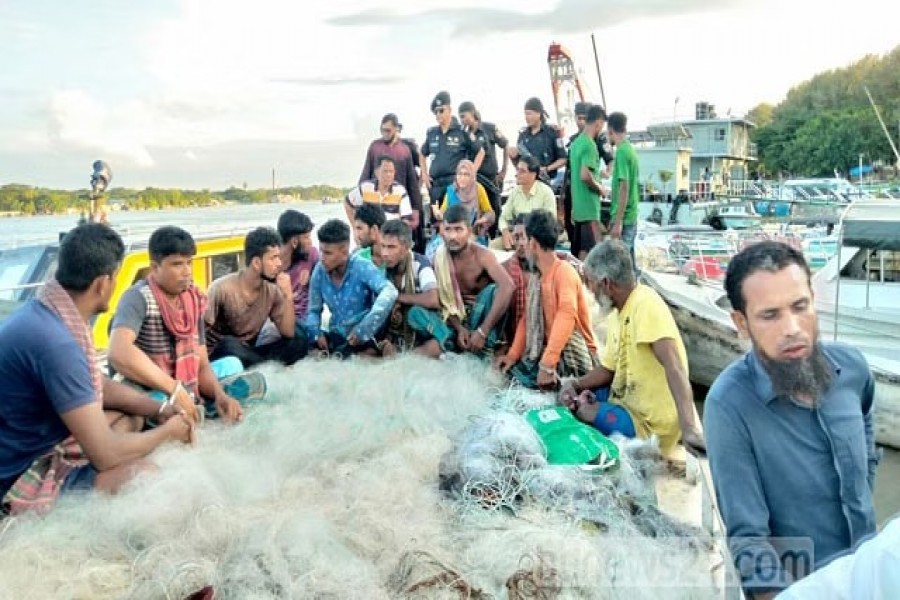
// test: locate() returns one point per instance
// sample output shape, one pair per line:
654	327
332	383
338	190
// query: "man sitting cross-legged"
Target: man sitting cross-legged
554	337
417	302
473	289
240	304
158	339
64	427
357	295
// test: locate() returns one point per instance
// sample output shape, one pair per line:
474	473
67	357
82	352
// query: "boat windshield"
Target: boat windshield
873	265
22	270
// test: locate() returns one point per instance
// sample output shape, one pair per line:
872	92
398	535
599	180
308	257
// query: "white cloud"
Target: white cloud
224	72
77	120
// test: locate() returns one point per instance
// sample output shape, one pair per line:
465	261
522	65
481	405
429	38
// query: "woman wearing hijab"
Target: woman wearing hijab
468	192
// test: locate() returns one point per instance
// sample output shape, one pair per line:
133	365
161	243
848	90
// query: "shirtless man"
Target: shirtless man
473	288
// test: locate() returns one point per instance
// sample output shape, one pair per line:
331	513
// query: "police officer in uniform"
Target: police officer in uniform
487	136
447	144
541	140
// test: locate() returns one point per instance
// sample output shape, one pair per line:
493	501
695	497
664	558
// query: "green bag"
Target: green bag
569	441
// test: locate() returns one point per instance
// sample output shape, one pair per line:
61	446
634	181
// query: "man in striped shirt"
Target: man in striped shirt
385	192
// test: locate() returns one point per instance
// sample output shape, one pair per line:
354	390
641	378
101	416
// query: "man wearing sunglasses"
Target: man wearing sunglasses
446	144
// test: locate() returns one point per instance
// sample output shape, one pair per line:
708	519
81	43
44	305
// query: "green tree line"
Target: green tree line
16	198
825	123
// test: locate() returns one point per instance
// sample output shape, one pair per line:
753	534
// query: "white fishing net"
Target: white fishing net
331	490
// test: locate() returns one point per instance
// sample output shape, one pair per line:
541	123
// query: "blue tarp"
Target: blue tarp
866	169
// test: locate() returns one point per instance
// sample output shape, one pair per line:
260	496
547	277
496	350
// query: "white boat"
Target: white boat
856	308
856	298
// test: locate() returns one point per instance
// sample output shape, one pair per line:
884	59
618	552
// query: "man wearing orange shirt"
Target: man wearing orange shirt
554	338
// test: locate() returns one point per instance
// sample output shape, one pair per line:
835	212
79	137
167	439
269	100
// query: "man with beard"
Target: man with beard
158	339
301	256
367	224
405	158
473	289
554	337
644	364
789	426
240	303
415	323
355	292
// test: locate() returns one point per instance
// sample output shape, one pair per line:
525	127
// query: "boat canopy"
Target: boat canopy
872	224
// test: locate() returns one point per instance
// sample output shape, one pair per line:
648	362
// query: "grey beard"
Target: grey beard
605	303
802	377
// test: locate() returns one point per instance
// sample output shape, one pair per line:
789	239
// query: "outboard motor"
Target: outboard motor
99	183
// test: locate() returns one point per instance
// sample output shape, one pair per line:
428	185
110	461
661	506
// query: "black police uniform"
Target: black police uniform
487	136
446	149
546	145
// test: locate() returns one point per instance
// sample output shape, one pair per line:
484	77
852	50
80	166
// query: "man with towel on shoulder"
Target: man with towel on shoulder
473	288
554	337
64	427
158	339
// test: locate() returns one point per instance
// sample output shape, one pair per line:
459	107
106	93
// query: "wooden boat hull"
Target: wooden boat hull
712	343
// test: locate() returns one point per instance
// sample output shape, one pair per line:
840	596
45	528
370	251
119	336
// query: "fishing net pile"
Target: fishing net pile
405	478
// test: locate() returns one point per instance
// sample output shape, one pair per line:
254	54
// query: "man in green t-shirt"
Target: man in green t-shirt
625	184
584	161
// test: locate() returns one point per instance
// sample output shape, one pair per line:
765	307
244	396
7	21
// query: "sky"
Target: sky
205	94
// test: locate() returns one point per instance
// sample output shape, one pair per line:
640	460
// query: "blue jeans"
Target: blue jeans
629	233
81	479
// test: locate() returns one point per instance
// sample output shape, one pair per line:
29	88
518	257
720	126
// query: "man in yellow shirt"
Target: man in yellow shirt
644	364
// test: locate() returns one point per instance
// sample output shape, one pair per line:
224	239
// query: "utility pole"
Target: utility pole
599	75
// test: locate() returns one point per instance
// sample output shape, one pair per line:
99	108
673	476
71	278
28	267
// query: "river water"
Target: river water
137	226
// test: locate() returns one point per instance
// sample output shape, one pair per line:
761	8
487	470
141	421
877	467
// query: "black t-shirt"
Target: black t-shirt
447	149
487	136
546	145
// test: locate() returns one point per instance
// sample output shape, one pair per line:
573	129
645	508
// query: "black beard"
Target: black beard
265	277
808	377
298	254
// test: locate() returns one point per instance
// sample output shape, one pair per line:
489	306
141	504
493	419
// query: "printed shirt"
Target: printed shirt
360	304
138	311
540	197
789	471
639	384
395	203
406	159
